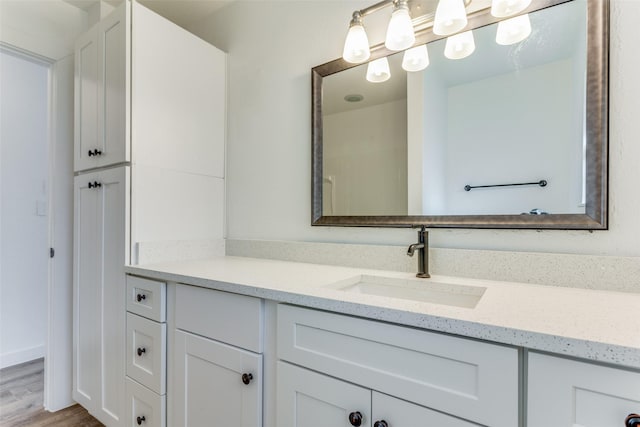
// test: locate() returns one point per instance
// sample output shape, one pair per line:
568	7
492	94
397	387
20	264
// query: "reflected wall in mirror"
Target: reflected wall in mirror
420	147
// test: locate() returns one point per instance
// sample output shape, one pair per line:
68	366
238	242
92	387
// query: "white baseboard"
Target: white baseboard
21	356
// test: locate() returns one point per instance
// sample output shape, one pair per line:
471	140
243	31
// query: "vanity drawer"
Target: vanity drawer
144	407
146	352
146	298
466	378
222	316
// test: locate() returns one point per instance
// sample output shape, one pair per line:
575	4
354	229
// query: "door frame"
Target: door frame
58	342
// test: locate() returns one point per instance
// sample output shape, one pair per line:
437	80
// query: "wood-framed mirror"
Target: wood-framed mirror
511	136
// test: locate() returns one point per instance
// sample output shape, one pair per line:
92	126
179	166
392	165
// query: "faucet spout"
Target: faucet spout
412	248
423	249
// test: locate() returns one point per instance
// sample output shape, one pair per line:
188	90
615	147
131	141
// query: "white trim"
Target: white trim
21	356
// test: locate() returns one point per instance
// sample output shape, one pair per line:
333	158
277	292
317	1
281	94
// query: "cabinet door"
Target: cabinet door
209	388
309	399
86	100
568	393
113	107
100	253
389	411
86	290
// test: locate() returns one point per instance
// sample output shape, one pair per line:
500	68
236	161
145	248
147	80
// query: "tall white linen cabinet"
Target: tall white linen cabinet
150	105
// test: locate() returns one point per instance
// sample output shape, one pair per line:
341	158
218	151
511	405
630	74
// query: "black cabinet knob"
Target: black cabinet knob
95	152
355	418
140	420
632	420
381	423
141	350
141	297
246	378
94	184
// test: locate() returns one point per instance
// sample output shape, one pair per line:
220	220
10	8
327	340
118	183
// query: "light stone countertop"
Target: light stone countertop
597	325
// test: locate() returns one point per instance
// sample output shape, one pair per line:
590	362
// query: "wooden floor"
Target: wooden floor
21	393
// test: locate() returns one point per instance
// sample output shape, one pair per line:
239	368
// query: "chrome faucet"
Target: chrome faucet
423	248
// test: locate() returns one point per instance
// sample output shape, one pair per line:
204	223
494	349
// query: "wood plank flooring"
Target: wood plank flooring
21	393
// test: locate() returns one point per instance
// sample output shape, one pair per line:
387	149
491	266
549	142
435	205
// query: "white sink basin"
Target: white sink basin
425	290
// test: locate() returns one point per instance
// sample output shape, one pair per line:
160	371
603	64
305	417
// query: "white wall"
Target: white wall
272	47
24	137
48	28
365	154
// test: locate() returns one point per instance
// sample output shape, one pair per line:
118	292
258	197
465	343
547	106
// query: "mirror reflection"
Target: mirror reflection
452	138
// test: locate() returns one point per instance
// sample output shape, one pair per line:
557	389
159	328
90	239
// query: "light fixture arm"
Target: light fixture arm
359	14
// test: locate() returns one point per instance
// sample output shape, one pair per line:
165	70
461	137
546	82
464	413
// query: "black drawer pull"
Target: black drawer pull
355	418
381	423
141	297
95	152
632	420
141	350
246	378
140	420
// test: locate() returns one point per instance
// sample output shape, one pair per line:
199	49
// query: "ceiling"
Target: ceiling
181	12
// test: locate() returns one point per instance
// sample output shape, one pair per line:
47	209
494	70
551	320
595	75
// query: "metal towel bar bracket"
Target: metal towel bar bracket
541	183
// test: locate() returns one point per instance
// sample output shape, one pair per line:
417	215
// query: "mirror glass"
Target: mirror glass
503	133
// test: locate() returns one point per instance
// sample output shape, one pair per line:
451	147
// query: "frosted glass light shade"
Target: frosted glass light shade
416	59
356	45
400	33
450	18
378	70
513	30
506	8
460	46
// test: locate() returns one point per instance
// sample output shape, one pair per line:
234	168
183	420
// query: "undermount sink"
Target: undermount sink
424	290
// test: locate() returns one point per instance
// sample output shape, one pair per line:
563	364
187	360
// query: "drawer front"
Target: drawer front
144	407
147	298
563	392
146	352
222	316
466	378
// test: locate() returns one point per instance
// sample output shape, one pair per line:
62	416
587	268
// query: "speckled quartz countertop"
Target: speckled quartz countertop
596	325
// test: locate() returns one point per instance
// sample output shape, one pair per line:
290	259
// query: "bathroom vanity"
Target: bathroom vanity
273	343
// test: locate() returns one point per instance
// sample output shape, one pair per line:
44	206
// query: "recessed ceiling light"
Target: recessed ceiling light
354	97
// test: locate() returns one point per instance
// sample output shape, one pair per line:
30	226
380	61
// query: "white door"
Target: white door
215	384
308	399
101	108
86	296
567	393
113	108
86	101
388	411
100	253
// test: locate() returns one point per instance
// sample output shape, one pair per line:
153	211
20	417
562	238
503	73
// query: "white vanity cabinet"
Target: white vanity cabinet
217	361
149	140
439	374
146	352
570	393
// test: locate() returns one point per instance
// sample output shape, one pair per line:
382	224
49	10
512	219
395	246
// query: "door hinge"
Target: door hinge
52	252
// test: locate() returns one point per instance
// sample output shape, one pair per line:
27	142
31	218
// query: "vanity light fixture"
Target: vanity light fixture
513	30
451	17
356	46
416	59
460	46
378	70
400	33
